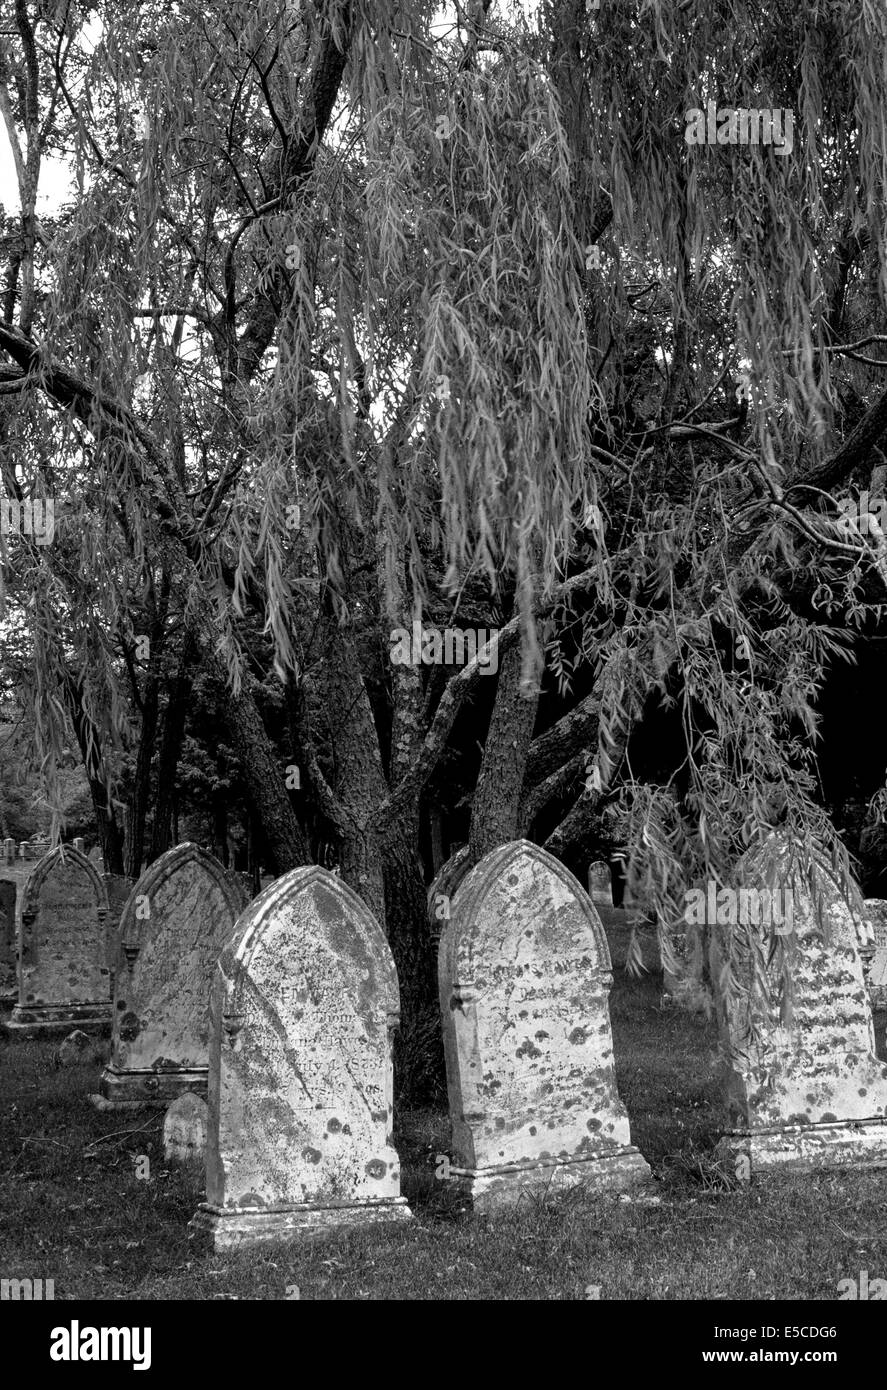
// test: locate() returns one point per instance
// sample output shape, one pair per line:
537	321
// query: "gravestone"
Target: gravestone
442	890
628	932
304	1004
184	1130
686	984
525	976
80	844
875	959
8	972
805	1088
600	884
9	851
118	888
175	922
75	1048
63	975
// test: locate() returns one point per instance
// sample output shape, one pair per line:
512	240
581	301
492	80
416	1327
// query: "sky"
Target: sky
56	181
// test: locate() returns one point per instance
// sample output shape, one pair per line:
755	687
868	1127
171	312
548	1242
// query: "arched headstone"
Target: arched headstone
525	978
305	1000
443	889
600	884
804	1085
172	929
63	975
8	975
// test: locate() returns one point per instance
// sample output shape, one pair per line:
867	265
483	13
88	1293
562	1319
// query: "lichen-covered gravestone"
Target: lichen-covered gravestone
8	974
184	1130
805	1087
875	965
443	889
305	1000
175	922
525	978
62	967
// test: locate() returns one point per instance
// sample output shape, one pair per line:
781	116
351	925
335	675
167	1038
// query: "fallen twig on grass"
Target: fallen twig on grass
119	1132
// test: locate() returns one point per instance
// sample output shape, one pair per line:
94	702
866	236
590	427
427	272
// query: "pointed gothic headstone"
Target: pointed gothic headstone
525	978
805	1087
172	929
305	1000
63	976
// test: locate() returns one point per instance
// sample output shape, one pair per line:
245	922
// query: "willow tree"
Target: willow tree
357	313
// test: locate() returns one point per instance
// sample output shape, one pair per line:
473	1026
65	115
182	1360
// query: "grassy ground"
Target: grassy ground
73	1210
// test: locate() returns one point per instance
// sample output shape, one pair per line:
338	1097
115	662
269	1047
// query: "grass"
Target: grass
73	1210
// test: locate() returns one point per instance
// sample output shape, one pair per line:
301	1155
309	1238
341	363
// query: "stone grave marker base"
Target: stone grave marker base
47	1020
241	1226
490	1189
806	1148
131	1090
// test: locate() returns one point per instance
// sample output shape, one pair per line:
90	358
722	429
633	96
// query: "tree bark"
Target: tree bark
90	745
495	816
170	750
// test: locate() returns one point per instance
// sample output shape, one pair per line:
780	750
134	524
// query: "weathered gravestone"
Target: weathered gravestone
805	1087
175	922
63	974
184	1130
875	959
305	1001
443	889
631	936
8	973
684	947
75	1048
525	978
600	884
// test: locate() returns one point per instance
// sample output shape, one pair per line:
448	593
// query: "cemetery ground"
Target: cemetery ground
72	1208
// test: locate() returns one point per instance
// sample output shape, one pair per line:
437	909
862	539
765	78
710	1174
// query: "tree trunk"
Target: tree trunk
418	1053
138	804
170	751
90	745
265	779
495	815
220	825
